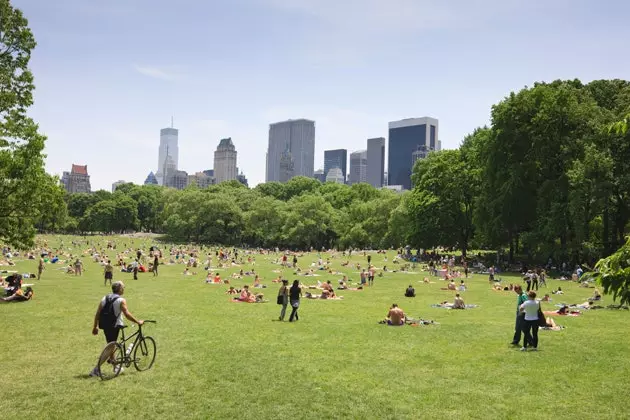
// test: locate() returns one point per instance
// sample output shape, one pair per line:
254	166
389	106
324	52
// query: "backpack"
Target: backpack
107	318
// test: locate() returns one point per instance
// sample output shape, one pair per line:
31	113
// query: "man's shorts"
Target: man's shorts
108	275
111	334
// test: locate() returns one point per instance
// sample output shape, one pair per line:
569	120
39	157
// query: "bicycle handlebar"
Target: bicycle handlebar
151	321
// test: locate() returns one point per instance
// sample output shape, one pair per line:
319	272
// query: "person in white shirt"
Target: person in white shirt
530	328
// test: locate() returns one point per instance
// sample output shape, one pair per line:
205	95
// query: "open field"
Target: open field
218	359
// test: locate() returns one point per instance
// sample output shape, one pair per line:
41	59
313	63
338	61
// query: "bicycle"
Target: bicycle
116	355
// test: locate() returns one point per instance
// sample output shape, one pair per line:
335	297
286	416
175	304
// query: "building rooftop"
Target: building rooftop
79	169
296	120
226	144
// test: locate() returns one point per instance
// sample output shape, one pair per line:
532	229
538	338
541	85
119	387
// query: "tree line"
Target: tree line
548	178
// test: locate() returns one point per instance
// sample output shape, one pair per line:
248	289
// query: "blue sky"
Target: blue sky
110	74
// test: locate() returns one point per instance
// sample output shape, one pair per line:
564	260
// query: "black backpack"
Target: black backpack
107	318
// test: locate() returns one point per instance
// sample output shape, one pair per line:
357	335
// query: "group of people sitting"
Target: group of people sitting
14	292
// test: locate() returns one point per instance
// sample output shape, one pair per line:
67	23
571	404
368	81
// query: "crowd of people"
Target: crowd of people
129	259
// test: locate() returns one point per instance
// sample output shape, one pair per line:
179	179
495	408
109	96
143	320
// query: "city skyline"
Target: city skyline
107	74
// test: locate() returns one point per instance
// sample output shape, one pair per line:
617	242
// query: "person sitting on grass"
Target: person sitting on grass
462	286
458	303
246	295
410	292
19	296
327	287
231	291
395	316
558	292
596	296
451	285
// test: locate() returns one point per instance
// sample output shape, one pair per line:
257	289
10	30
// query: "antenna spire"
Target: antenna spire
172	122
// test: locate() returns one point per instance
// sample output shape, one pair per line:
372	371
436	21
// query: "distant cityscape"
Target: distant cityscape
291	153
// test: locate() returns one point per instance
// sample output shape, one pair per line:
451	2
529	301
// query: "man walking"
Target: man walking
40	268
108	316
520	317
109	273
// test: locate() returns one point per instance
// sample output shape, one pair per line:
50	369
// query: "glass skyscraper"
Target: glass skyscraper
406	137
336	159
376	162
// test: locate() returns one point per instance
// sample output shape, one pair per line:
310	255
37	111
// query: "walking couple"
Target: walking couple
290	295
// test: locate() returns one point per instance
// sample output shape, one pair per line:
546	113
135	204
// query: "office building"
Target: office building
358	167
298	138
242	179
335	175
405	137
320	175
286	166
336	159
117	184
176	179
376	162
225	161
151	179
77	180
201	180
169	148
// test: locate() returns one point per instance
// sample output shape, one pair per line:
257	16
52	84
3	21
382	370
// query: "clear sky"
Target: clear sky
110	74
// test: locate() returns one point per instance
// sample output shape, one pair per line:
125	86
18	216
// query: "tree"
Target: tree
442	201
613	273
23	181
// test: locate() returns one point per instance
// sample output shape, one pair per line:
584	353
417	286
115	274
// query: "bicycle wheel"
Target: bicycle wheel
144	353
111	361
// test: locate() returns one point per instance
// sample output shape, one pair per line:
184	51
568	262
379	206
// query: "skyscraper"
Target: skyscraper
77	180
376	162
358	167
286	166
296	136
225	161
405	138
336	159
168	148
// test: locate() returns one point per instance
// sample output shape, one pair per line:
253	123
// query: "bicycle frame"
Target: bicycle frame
123	341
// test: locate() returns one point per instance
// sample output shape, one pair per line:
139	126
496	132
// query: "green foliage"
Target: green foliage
24	186
613	273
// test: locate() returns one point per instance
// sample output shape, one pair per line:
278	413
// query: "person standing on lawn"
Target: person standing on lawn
530	308
283	298
519	325
295	292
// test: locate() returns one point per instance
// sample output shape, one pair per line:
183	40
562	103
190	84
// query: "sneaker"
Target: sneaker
513	343
119	369
95	372
523	348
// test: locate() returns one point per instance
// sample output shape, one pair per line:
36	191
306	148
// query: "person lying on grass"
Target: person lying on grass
325	295
551	325
458	303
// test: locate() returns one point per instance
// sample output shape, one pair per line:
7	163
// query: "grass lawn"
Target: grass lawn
218	359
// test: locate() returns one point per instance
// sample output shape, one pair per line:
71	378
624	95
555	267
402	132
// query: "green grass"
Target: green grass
218	359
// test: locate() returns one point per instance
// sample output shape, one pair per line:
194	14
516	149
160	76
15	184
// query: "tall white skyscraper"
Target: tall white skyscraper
168	148
225	161
376	162
296	137
358	167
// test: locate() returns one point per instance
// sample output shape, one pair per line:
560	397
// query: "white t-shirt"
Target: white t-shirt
117	310
531	310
